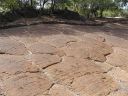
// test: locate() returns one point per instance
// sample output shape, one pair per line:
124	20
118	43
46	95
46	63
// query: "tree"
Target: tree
89	8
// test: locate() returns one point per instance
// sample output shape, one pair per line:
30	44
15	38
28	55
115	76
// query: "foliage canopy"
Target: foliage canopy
88	8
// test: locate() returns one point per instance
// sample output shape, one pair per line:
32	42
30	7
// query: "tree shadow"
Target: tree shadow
38	30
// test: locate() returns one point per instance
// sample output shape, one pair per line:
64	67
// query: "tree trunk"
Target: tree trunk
31	3
52	5
43	4
101	13
40	3
88	14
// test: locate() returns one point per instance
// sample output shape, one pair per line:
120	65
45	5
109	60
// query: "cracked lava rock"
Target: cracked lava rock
61	65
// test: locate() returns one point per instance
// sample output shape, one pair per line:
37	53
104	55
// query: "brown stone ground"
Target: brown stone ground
64	60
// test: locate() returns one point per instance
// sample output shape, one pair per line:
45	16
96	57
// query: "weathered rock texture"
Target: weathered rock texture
37	64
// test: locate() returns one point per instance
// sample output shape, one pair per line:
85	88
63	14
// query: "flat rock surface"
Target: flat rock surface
64	60
119	58
26	84
10	65
45	60
12	47
40	48
89	49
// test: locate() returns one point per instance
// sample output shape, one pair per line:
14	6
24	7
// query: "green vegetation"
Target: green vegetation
87	8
